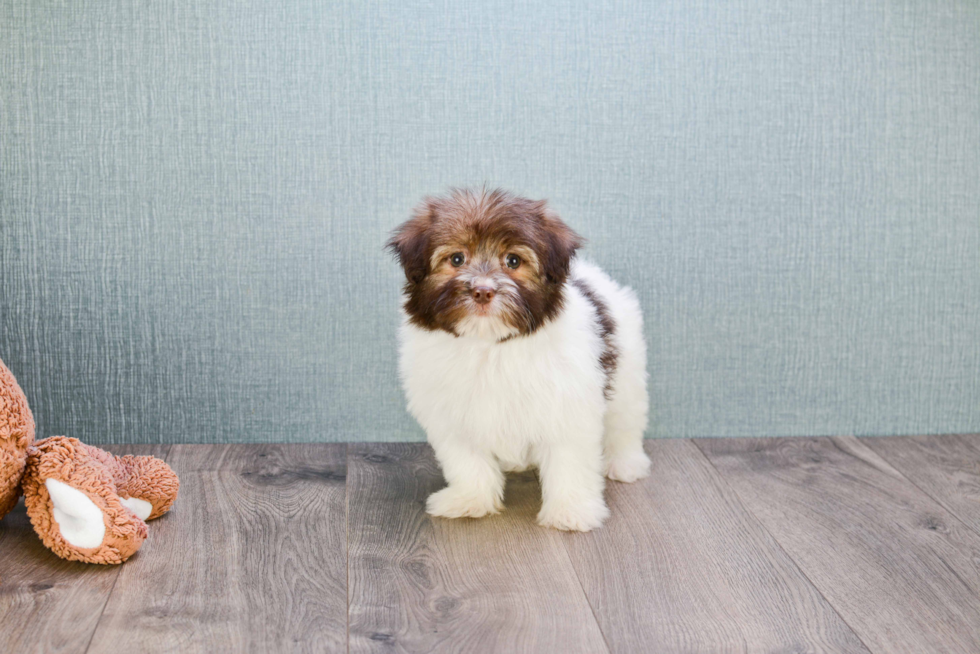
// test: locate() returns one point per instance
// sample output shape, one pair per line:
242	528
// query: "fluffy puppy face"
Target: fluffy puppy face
483	263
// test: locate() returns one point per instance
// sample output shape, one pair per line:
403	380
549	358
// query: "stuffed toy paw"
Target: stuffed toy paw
89	505
86	504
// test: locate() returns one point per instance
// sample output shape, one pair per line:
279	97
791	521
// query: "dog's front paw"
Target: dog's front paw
584	516
452	502
628	466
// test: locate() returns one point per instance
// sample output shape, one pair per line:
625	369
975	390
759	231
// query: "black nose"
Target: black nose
483	294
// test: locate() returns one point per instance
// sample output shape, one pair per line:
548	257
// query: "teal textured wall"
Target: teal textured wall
194	196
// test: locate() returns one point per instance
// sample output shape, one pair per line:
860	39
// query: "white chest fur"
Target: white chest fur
506	396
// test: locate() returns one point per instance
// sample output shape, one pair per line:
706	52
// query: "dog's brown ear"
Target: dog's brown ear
410	243
560	243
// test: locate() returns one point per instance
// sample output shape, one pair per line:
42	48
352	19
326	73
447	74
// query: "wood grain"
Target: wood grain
901	570
422	584
947	468
252	558
681	566
732	545
48	604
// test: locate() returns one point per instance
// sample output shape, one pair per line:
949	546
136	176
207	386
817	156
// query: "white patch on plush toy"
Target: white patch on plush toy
141	508
79	520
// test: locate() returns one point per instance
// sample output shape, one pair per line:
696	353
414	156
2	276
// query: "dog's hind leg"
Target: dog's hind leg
625	422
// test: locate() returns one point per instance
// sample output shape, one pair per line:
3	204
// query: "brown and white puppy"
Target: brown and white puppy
516	354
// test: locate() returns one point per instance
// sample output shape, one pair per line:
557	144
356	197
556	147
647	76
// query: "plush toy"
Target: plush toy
86	504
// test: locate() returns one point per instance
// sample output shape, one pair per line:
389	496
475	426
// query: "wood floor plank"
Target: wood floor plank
48	604
252	558
681	566
901	570
422	584
947	468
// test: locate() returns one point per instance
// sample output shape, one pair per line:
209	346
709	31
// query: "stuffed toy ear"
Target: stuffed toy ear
88	505
16	435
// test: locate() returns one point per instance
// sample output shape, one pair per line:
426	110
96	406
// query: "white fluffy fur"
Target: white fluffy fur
533	401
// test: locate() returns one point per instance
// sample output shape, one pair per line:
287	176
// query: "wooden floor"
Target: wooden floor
731	545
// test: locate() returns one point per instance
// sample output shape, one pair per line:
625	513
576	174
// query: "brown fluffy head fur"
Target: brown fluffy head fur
484	228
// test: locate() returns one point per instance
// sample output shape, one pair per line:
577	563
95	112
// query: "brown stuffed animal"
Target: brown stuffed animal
16	435
86	504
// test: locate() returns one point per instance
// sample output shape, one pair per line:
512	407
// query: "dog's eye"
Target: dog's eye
457	259
513	261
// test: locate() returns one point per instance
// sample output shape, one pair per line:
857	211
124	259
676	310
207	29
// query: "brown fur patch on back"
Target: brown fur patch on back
607	328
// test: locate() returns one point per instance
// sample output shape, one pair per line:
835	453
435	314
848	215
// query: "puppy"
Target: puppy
515	354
